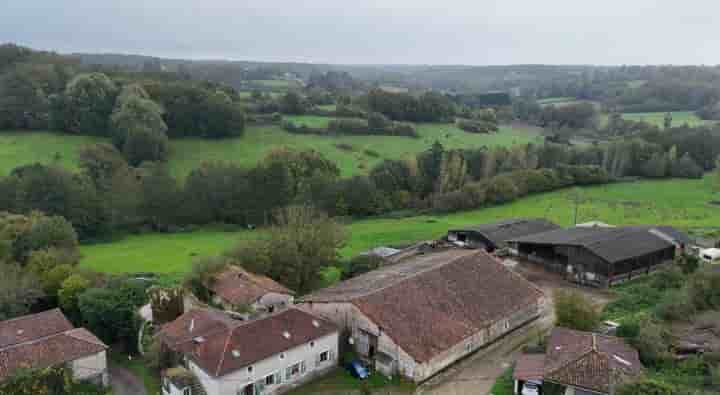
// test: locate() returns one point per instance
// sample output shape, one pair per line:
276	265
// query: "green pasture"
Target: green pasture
21	148
682	203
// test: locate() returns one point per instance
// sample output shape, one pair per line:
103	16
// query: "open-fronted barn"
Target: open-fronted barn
494	235
602	256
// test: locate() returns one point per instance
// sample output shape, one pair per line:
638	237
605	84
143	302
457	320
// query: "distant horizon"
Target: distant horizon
254	60
369	32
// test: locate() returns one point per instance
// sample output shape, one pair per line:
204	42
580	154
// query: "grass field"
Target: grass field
188	154
682	203
658	118
20	148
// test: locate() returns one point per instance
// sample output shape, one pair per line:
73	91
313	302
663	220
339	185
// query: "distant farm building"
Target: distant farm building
420	315
602	256
494	235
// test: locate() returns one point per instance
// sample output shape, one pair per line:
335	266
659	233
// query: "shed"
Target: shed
601	256
494	235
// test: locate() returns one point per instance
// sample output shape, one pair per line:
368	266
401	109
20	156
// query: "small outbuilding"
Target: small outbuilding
493	236
710	255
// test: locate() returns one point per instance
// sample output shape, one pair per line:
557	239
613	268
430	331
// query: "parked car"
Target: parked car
531	388
358	370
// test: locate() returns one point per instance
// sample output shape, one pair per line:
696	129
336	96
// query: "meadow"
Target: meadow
658	118
21	148
682	203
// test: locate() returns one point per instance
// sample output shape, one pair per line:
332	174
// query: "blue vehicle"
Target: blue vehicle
357	370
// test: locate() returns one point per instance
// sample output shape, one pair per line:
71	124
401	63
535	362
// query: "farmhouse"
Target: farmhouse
493	236
224	356
418	316
48	339
238	290
584	363
602	256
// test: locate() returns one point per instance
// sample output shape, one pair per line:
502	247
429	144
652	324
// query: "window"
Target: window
187	391
312	344
325	356
166	385
295	370
250	369
282	355
270	380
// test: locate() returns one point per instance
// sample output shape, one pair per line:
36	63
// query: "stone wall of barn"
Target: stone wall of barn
481	339
347	316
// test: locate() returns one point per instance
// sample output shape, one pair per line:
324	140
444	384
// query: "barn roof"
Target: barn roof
433	302
611	244
499	232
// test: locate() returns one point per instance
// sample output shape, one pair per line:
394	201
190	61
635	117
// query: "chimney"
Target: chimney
192	325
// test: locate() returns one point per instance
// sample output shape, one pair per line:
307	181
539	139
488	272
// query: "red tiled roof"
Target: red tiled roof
589	360
42	340
431	311
240	287
34	326
529	367
252	340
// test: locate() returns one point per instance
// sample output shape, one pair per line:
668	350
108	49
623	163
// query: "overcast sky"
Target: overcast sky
477	32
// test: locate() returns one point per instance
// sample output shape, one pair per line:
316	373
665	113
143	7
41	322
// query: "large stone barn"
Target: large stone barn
601	256
418	316
493	236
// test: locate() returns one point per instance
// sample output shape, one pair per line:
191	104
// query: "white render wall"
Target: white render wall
346	315
90	367
234	382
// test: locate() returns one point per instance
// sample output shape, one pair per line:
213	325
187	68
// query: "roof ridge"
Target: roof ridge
27	316
414	275
41	339
72	333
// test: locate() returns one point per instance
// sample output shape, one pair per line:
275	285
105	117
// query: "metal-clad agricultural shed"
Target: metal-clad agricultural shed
493	236
601	256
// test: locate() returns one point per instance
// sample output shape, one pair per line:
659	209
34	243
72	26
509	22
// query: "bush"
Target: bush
371	153
348	126
646	387
476	126
404	129
574	311
670	278
652	343
675	306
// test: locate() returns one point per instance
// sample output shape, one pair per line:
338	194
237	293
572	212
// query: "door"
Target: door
249	390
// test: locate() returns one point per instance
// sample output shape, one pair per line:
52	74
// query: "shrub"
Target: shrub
670	278
371	153
378	122
675	306
348	126
404	129
345	147
476	126
646	387
704	290
575	311
652	343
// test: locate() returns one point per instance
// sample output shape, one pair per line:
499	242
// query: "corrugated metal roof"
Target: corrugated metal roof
611	244
499	232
